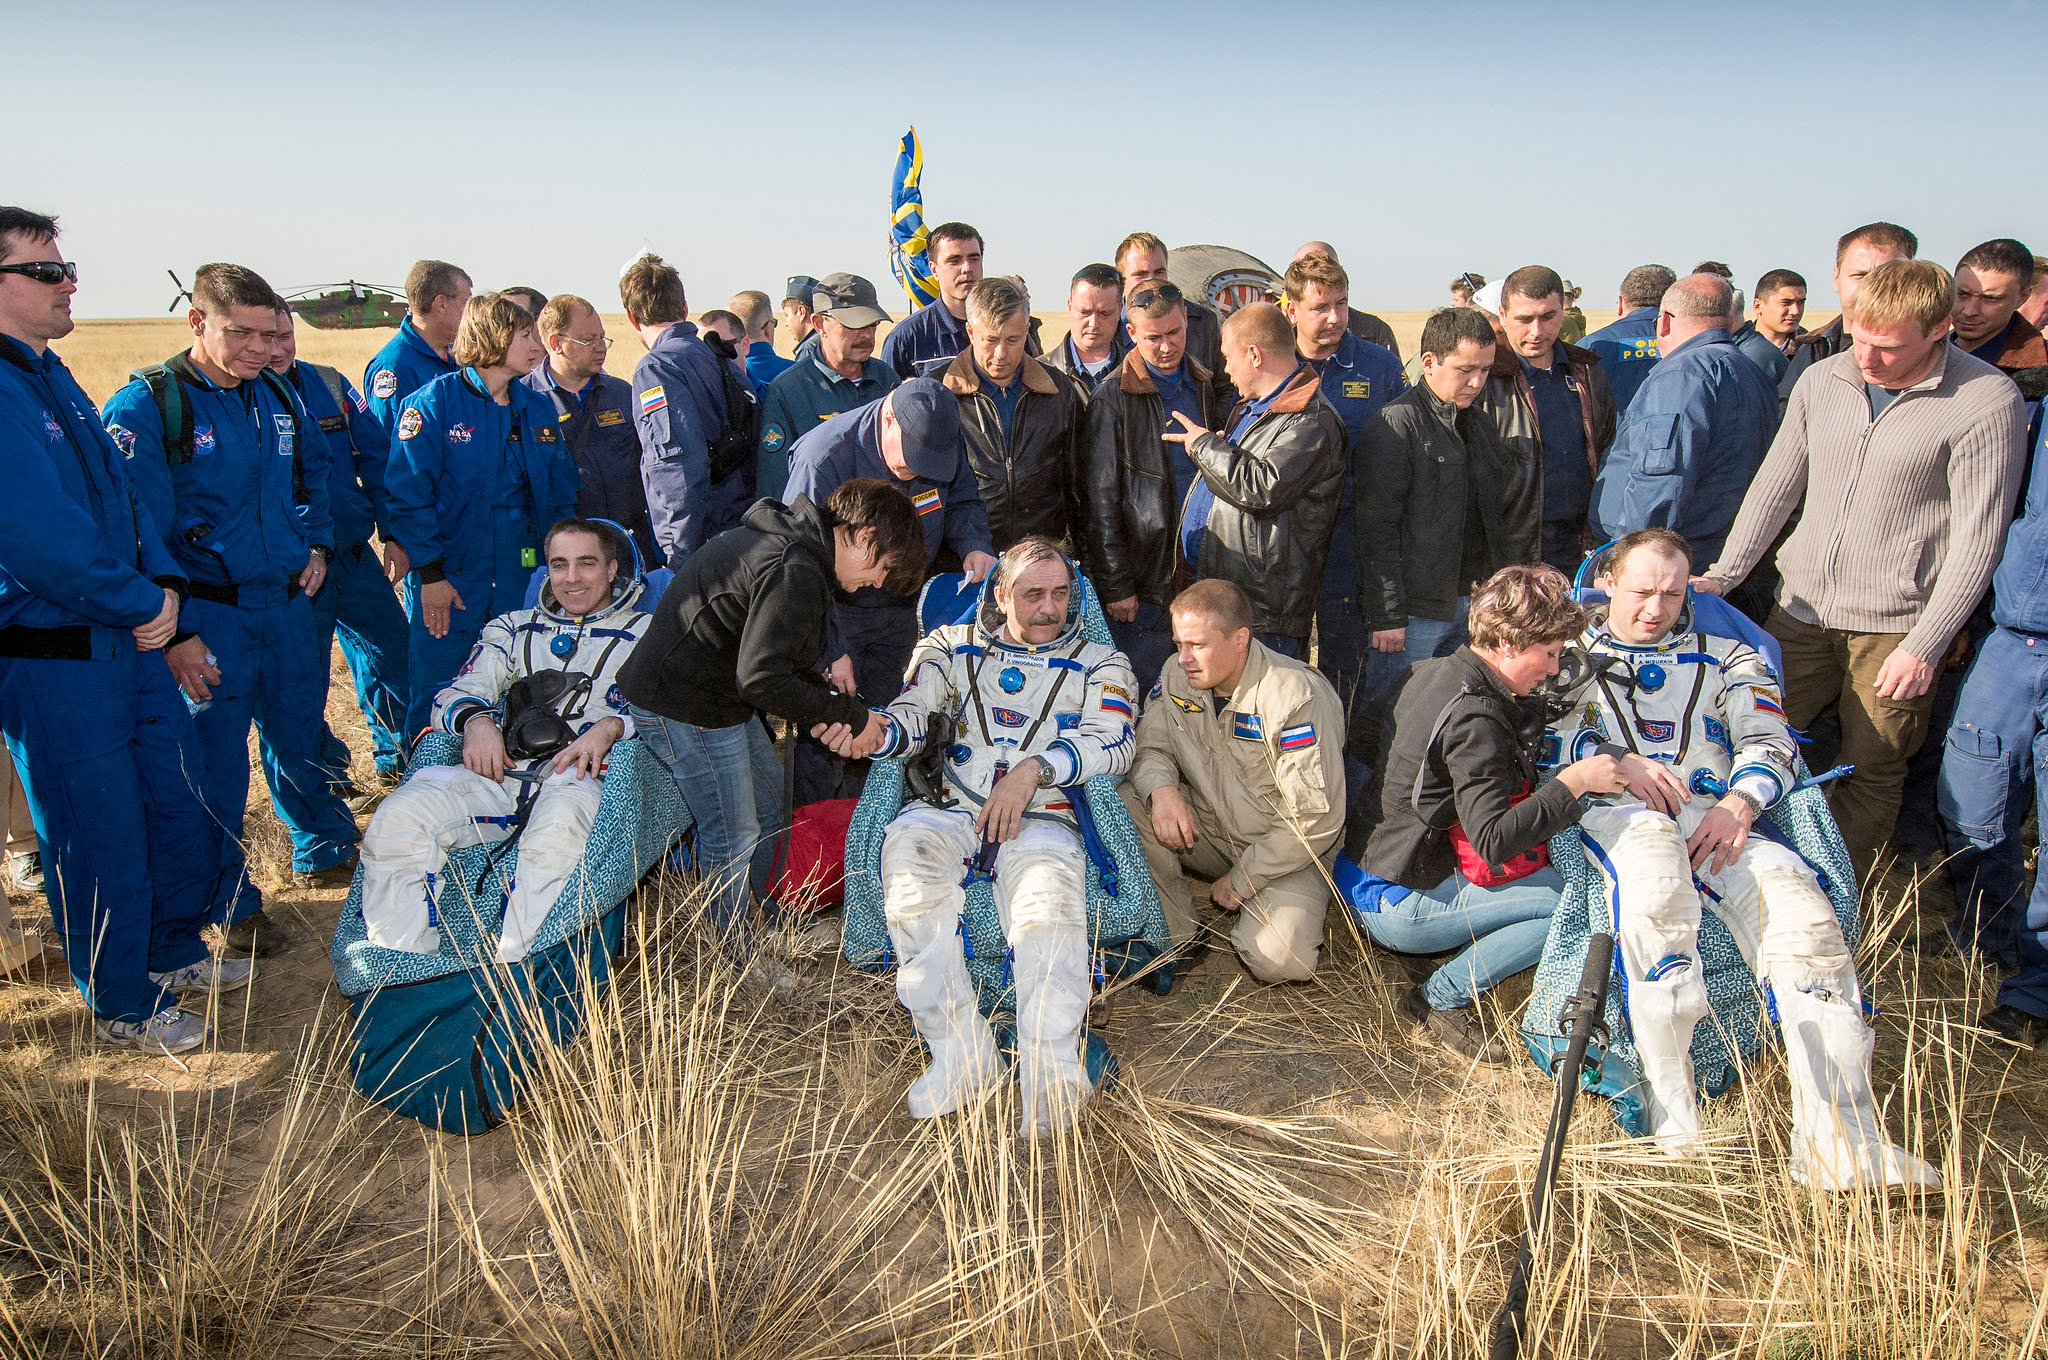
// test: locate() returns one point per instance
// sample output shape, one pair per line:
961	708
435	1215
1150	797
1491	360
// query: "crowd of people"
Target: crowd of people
1333	584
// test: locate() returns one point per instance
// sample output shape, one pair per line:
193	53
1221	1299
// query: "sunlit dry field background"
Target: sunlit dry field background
1282	1172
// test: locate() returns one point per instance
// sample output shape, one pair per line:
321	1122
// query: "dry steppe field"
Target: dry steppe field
1282	1172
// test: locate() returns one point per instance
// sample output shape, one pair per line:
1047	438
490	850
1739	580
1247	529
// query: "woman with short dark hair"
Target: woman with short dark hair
1450	866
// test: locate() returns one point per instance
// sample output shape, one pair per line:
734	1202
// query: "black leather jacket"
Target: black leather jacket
1428	478
1028	480
1131	512
1277	493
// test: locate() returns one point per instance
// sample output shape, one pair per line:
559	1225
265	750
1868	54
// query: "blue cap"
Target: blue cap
929	418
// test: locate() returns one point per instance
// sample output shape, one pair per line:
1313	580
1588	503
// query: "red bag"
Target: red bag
812	871
1481	874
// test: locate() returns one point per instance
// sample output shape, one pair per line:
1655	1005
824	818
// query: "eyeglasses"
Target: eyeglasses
1165	292
44	271
599	345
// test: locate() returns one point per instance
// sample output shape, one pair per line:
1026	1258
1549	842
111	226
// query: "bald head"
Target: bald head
1258	349
1316	248
1696	303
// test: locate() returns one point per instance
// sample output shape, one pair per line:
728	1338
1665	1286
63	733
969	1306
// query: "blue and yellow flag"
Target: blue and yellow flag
907	258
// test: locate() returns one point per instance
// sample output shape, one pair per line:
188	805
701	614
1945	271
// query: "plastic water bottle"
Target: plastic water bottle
197	706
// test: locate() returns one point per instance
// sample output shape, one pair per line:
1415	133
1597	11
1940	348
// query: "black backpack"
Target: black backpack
735	444
166	388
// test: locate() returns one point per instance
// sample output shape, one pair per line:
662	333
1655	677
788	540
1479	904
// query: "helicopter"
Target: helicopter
347	306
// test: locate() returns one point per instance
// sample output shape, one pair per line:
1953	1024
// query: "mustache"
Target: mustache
1037	619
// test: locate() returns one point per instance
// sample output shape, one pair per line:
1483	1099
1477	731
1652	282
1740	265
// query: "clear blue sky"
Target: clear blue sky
545	144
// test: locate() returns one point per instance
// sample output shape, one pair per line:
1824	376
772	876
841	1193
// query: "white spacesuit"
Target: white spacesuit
1070	702
1710	708
447	807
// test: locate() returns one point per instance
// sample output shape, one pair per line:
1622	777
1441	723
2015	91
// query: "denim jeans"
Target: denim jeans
1501	931
1425	638
732	783
1146	642
1992	767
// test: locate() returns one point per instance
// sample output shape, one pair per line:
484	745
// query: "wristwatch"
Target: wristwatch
1046	778
1756	807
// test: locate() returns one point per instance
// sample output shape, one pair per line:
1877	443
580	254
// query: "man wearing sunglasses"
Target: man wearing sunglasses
1141	261
106	753
235	476
596	414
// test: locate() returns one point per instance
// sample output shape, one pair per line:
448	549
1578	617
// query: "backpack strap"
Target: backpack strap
337	388
173	413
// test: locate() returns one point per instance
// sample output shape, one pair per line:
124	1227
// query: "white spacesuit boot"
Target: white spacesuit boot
1838	1141
1053	975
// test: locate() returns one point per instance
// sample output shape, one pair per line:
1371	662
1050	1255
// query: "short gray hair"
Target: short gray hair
1737	305
1028	551
1699	295
994	301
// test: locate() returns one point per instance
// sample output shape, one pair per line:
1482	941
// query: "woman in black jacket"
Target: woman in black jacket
1460	754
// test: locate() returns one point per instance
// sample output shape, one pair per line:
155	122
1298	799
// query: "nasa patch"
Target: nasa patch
614	698
461	432
51	427
203	440
409	422
1009	717
384	384
771	438
285	434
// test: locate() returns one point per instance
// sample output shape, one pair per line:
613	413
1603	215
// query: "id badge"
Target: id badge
529	557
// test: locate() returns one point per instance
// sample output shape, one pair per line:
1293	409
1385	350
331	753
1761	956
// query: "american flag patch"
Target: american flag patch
1766	702
926	501
652	400
1112	704
355	398
1298	738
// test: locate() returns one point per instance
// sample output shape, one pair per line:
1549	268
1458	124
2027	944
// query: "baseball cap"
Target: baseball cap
848	299
929	417
799	288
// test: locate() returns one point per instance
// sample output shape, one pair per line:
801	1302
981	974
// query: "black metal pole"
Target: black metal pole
1581	1018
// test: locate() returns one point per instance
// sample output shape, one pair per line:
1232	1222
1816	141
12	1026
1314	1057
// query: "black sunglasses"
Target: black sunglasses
1165	292
44	271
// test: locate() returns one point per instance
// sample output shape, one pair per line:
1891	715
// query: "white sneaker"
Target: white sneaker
210	974
169	1031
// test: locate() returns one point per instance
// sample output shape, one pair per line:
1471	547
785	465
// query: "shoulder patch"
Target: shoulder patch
124	439
771	438
409	422
1113	701
1248	727
1766	701
653	399
355	398
384	384
1158	686
926	500
1717	733
1298	738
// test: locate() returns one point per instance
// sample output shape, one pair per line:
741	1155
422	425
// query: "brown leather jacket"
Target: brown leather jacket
1512	405
1029	480
1131	513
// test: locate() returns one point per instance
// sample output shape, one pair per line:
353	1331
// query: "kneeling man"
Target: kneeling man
1699	724
1037	709
1239	778
539	690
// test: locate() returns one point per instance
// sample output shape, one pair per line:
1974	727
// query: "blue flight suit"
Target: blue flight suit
474	488
357	603
1628	351
679	404
1996	756
802	397
405	365
597	428
1689	446
1358	379
875	628
108	757
241	517
924	342
764	365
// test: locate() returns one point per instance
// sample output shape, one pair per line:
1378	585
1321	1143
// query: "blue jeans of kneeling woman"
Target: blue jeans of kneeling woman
732	782
1497	931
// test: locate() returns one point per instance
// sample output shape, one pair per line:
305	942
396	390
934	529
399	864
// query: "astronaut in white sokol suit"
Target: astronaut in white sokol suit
575	642
1036	708
1699	724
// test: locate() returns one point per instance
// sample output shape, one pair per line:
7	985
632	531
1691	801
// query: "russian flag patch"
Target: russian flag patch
1298	738
1112	704
1767	702
653	399
926	501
